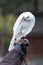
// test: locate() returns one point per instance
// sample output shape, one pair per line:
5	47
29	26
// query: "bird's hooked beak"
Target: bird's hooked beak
24	18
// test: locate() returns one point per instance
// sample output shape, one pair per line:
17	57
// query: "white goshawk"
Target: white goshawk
22	27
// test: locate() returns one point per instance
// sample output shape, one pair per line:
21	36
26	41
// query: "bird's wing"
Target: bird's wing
16	29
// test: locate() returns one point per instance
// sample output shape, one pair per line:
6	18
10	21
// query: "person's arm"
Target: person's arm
26	61
26	58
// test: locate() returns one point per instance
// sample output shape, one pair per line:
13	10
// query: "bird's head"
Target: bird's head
28	16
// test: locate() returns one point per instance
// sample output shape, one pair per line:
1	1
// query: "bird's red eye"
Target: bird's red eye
28	17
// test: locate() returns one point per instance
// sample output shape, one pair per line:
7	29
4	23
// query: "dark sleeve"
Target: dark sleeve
23	49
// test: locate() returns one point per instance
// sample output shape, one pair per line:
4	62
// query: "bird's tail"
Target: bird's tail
11	46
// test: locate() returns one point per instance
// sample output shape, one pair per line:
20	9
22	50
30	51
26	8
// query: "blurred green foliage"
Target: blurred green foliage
40	5
18	6
8	23
8	38
10	20
1	22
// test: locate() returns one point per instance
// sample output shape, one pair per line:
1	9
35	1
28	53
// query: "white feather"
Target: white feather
22	27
